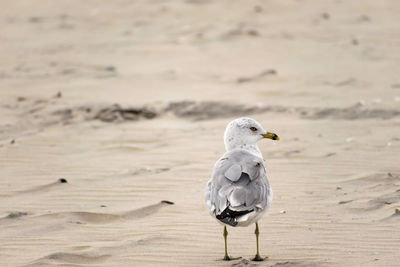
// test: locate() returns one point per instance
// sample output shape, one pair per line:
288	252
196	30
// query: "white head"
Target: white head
245	133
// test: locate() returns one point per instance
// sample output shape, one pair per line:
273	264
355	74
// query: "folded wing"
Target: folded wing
238	186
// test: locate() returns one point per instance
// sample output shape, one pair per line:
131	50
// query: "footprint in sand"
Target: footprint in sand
95	255
99	218
70	258
394	217
383	188
385	199
42	188
80	217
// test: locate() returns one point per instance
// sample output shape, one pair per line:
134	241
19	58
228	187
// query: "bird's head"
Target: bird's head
245	131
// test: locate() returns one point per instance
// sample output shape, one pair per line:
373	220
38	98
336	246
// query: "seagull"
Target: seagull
238	193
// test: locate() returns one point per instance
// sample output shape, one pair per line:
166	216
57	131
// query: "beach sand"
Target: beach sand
113	112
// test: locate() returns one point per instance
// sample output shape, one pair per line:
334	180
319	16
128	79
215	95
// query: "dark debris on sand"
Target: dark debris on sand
256	76
210	109
62	181
167	202
397	212
117	113
202	110
355	112
207	110
17	214
109	113
213	109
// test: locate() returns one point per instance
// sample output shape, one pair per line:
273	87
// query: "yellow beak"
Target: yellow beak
271	136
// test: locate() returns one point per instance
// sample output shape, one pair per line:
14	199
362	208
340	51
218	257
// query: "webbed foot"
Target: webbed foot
259	258
227	258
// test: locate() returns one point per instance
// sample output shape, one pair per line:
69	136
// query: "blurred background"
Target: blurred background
127	101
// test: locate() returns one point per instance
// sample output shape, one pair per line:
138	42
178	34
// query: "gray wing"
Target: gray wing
238	186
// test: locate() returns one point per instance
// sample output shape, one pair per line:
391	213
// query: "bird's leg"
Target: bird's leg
258	257
226	257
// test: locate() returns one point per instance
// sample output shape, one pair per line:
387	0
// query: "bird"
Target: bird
239	193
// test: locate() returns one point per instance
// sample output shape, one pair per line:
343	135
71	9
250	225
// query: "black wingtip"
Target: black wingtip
227	220
167	202
229	216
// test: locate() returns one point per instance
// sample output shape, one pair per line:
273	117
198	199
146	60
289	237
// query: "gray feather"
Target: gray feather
234	172
238	182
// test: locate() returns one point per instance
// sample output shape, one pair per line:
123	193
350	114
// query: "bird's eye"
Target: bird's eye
253	129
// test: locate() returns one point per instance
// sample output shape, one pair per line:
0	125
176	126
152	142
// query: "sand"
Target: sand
112	116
